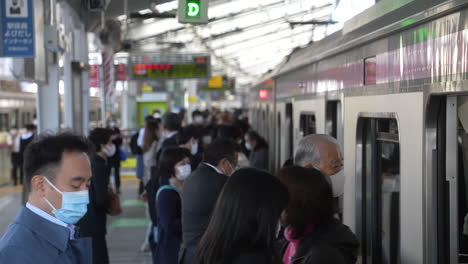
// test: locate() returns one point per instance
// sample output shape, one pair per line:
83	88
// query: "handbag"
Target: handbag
114	203
123	156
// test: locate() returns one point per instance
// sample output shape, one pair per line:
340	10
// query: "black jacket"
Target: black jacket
199	195
259	158
257	257
94	222
167	143
331	243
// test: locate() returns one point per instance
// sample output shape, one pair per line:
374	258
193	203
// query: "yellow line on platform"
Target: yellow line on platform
10	189
128	177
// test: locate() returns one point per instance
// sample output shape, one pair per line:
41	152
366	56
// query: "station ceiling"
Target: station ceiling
246	38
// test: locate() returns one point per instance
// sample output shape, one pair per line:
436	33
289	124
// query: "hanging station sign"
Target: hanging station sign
17	26
150	66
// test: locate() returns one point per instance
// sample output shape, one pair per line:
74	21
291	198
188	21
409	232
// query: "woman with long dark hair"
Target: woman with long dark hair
245	221
173	168
149	148
258	148
313	234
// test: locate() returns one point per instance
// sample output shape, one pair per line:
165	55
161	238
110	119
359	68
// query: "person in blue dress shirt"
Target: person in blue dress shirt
57	176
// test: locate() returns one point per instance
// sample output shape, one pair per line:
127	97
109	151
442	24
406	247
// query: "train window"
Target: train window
3	122
26	118
331	125
307	124
378	190
370	73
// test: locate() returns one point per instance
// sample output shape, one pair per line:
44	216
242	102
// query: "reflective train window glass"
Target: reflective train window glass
378	190
332	118
307	124
3	122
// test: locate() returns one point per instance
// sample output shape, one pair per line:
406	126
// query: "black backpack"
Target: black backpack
136	150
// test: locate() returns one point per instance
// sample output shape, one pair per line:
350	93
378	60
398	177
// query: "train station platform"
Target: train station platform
125	233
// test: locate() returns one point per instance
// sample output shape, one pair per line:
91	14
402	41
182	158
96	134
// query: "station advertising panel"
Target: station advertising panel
153	66
17	26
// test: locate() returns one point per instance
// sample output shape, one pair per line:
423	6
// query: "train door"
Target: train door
383	167
4	122
378	189
447	188
333	120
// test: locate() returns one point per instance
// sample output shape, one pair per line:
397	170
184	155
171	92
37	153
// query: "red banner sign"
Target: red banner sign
121	72
94	76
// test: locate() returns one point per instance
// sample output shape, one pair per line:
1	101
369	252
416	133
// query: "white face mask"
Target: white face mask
206	140
248	146
183	172
109	150
198	119
388	185
337	182
194	149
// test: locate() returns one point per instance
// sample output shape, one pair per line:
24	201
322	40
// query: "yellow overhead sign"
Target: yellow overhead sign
215	82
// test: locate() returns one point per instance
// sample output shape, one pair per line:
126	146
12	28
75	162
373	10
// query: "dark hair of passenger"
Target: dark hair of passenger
261	142
30	127
171	121
229	131
245	218
44	154
311	200
151	134
185	134
220	148
168	160
197	113
100	136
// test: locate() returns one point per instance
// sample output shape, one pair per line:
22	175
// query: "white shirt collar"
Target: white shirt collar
171	134
27	135
52	219
216	169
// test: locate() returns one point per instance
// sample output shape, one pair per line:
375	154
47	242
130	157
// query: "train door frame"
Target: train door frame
409	109
338	118
442	224
285	132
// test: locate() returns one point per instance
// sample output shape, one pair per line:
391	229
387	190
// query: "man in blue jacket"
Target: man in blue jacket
57	175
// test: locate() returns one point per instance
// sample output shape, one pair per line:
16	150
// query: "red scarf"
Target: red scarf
293	243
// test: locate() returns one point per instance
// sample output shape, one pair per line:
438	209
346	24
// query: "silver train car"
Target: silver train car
17	109
392	87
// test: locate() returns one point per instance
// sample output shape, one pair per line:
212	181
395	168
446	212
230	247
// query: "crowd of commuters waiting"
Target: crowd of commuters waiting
209	195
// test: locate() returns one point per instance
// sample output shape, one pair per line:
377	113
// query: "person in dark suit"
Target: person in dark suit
244	223
25	140
115	160
171	125
94	223
57	175
201	190
258	148
188	139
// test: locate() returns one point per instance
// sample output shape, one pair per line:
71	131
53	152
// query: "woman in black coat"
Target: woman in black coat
313	234
94	222
245	221
258	148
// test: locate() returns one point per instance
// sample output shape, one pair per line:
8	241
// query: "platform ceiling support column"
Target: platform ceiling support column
82	48
48	99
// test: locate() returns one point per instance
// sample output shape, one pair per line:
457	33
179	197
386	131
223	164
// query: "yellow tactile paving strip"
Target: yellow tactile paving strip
11	189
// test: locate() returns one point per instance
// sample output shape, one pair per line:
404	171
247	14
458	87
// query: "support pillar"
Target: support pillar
48	99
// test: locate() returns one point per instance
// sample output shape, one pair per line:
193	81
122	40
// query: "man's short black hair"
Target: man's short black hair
171	121
220	148
44	155
185	134
100	136
30	127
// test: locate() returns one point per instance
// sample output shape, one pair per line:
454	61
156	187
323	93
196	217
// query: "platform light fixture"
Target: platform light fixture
193	11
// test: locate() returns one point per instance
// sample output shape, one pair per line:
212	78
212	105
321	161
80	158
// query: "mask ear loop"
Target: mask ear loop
55	188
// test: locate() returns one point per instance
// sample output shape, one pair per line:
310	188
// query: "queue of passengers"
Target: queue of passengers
209	195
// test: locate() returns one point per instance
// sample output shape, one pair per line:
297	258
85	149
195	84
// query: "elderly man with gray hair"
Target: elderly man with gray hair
322	152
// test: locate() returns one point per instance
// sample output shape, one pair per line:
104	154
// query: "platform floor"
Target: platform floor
125	232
